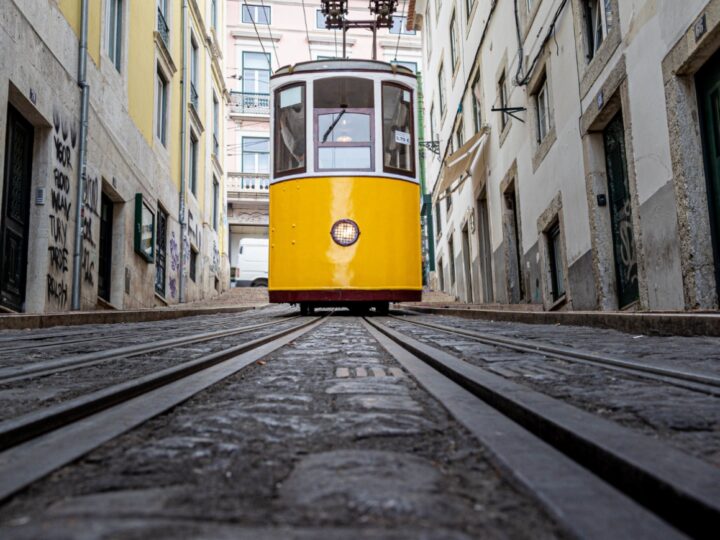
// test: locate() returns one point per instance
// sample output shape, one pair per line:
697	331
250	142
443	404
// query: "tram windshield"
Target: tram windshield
398	136
343	126
290	144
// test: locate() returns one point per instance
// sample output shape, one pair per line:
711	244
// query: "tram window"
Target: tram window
290	130
398	135
344	120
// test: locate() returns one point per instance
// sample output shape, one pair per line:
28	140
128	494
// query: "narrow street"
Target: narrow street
334	426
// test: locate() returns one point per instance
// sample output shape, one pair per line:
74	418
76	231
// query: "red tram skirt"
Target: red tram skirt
344	296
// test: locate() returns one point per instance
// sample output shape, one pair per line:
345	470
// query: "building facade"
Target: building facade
260	38
151	213
578	151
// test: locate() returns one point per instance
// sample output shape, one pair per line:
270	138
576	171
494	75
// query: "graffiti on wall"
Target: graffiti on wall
64	143
174	263
91	196
215	263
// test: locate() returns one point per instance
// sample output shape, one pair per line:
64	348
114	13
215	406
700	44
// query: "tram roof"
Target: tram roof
334	65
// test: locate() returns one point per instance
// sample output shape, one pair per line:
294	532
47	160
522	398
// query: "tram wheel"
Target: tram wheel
382	308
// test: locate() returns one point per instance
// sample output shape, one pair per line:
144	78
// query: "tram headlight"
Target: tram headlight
345	232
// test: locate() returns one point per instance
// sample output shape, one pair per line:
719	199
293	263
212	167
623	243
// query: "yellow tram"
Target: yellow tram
344	191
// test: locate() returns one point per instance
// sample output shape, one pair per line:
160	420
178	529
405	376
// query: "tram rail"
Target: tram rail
679	488
706	383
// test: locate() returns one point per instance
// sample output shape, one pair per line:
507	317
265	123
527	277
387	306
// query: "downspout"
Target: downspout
183	130
82	154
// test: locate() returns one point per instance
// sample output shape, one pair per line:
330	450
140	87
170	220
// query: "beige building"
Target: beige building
260	38
142	127
578	161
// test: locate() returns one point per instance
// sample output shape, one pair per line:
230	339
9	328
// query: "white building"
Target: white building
571	171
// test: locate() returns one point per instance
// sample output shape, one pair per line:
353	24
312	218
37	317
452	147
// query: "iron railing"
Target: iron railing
163	28
246	103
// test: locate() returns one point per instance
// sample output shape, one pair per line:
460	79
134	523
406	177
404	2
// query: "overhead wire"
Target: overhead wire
252	19
307	33
277	58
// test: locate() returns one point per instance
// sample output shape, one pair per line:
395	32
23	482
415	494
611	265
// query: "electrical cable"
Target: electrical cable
400	30
277	58
522	79
307	33
252	19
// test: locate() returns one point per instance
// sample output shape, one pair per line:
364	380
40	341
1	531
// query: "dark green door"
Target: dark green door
15	216
708	84
621	212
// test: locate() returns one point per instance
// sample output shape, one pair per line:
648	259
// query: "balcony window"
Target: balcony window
256	155
289	134
114	33
344	120
256	73
398	130
256	14
161	99
162	25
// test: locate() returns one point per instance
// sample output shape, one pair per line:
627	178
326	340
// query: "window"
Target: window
475	97
469	6
412	66
542	111
114	34
557	274
454	44
256	155
213	14
193	264
216	126
448	202
398	129
289	136
319	19
427	32
438	218
529	5
344	124
459	135
598	16
502	98
160	251
399	26
162	25
256	73
256	14
451	259
441	277
432	122
215	203
161	107
193	163
194	68
441	89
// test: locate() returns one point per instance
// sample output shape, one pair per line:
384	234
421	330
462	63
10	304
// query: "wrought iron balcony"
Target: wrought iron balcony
194	99
163	28
250	104
248	182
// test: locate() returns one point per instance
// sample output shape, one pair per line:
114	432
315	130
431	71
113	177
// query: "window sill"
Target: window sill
543	149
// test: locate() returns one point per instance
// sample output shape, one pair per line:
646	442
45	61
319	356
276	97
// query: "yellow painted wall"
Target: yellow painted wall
71	10
140	66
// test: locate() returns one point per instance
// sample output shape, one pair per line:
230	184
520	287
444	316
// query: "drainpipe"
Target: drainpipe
82	153
183	142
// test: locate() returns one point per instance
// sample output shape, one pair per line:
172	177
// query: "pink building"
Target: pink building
283	33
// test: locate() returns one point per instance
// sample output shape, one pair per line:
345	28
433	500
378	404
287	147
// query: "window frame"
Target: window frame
365	144
115	27
476	108
542	105
243	153
555	261
268	58
216	203
441	89
161	105
454	42
245	8
192	264
193	165
413	170
275	140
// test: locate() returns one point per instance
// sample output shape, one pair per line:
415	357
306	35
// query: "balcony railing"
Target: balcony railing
163	28
245	103
248	182
194	97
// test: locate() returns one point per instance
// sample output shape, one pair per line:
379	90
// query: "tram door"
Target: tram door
626	269
15	216
708	84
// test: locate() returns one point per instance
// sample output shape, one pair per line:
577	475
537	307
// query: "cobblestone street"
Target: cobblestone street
330	435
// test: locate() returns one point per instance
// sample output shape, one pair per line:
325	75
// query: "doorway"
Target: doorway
15	218
466	265
105	255
486	281
512	237
623	238
708	87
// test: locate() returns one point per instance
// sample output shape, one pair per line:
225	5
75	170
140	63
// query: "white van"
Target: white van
251	269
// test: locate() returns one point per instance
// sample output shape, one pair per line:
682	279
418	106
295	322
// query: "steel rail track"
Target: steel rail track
705	383
679	488
35	444
93	335
57	365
